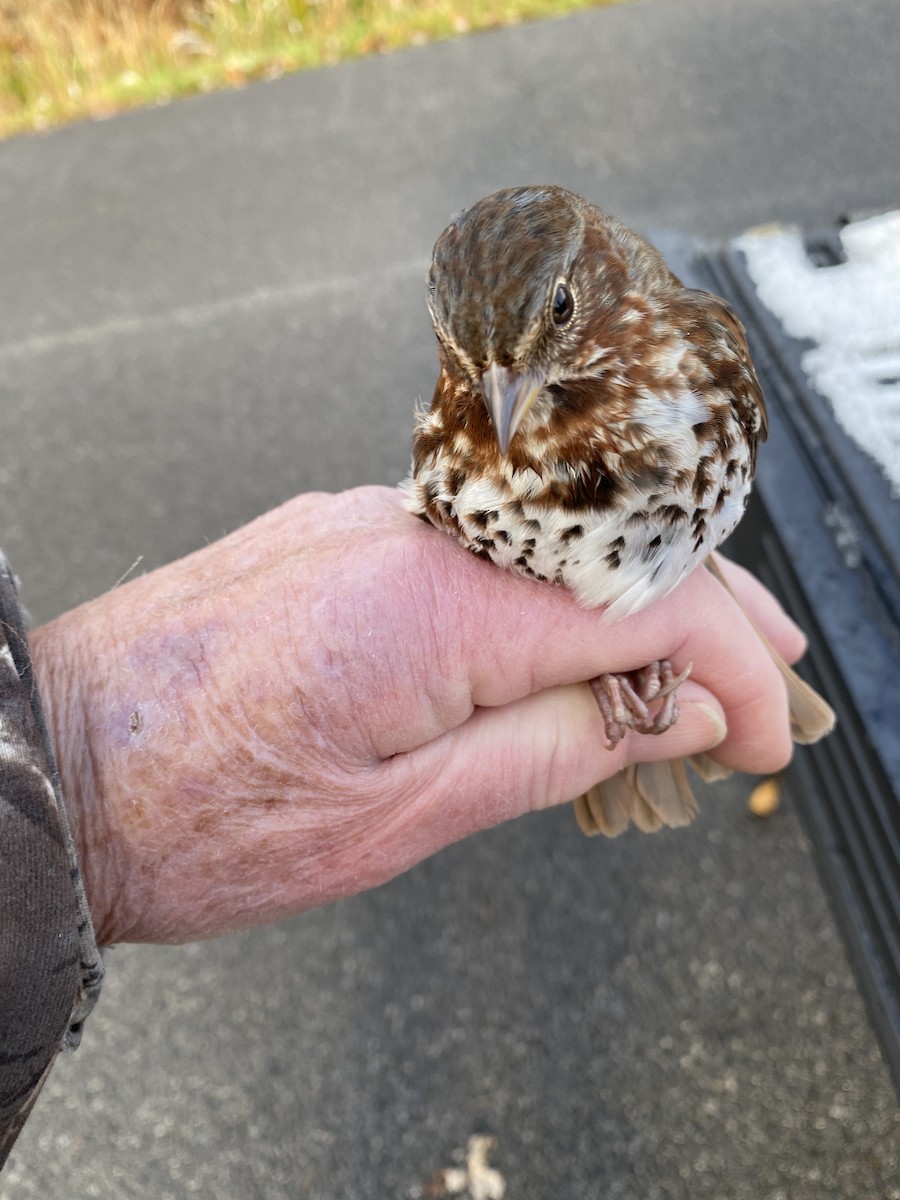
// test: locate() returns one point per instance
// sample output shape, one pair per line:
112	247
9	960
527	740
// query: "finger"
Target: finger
732	661
756	599
490	638
698	624
512	636
493	603
543	750
812	718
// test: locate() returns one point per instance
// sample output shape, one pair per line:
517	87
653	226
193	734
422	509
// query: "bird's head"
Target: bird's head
515	283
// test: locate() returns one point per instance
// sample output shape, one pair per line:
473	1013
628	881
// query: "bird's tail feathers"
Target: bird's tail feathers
649	794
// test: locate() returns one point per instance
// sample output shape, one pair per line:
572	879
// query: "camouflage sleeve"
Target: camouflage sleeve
50	968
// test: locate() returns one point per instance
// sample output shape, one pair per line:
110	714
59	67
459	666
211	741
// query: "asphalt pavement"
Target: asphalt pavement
207	307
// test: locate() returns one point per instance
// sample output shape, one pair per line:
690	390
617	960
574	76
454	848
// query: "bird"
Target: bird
594	426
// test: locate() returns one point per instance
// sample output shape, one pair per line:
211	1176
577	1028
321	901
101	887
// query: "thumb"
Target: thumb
545	749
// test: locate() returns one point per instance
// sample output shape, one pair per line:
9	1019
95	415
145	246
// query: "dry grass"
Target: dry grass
61	60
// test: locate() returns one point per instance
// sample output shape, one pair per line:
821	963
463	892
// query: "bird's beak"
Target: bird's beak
508	395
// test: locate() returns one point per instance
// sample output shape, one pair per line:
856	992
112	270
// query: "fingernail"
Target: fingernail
717	727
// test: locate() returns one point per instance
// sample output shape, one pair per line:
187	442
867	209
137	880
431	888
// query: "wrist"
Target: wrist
64	669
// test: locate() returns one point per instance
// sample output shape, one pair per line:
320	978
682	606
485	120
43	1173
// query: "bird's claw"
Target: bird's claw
625	700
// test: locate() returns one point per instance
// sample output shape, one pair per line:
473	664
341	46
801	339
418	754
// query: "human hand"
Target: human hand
318	701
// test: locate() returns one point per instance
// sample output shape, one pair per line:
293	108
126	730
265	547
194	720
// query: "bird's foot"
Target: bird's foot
645	700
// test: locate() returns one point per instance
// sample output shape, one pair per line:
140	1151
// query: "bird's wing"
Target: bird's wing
723	340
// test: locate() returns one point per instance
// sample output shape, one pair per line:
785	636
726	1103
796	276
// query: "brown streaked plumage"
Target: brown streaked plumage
595	424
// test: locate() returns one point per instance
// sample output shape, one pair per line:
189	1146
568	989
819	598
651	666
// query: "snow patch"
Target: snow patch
852	313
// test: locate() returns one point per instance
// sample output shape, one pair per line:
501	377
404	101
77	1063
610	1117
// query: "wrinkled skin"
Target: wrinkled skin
313	704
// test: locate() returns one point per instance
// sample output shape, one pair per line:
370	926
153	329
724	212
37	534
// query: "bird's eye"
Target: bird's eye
563	305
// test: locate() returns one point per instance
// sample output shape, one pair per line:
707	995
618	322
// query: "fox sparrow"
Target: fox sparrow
595	425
